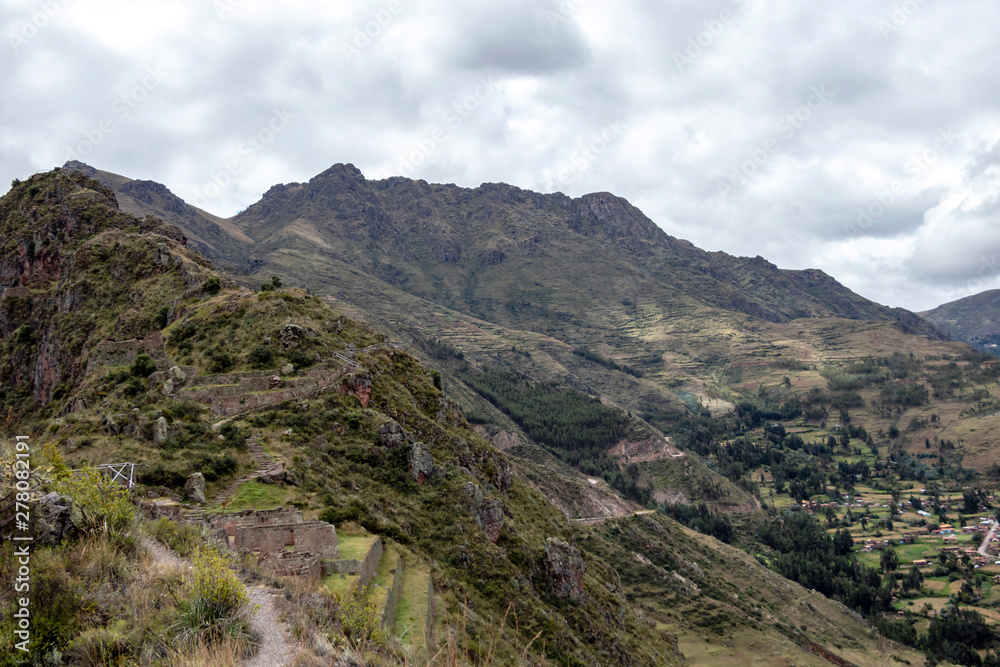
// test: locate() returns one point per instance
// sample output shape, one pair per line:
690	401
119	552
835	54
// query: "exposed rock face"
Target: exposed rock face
566	569
488	512
393	435
287	369
160	431
110	426
168	387
177	374
194	488
421	462
360	385
53	519
291	334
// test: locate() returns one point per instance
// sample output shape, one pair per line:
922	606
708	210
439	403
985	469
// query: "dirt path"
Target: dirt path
277	646
989	538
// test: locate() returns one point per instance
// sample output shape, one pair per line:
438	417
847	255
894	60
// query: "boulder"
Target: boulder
566	569
421	462
288	369
168	387
160	430
178	375
194	488
53	519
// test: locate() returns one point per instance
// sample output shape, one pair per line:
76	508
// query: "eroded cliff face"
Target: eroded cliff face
73	271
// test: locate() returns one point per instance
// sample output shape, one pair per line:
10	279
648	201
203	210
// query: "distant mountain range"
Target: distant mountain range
974	319
516	257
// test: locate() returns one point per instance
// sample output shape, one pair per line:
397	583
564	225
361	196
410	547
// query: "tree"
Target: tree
864	523
971	501
889	560
831	516
843	542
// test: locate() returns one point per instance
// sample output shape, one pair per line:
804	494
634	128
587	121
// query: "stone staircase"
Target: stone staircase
263	464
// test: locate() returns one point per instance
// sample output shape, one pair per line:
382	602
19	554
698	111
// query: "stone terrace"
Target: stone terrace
233	393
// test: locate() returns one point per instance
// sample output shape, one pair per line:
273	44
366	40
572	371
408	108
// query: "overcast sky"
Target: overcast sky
858	137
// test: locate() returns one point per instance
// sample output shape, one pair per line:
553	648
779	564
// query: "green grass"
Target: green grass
411	613
258	496
340	585
354	546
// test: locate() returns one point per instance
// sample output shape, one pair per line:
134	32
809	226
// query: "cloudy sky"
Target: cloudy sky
858	137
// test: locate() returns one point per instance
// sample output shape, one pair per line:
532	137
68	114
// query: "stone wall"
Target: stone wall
123	353
343	566
392	600
370	563
315	537
429	630
289	564
231	394
256	518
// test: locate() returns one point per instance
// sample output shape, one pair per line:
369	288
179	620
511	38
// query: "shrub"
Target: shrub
359	619
261	356
25	335
219	607
221	362
212	285
143	366
99	504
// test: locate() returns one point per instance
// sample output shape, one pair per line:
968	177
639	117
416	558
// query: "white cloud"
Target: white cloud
370	82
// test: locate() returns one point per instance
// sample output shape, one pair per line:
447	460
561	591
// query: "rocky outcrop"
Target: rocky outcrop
160	431
487	512
421	462
360	385
566	569
53	519
393	435
194	488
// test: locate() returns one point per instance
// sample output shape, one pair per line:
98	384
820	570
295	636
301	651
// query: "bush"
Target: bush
219	607
261	357
212	285
359	619
181	537
143	366
221	362
99	504
217	586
